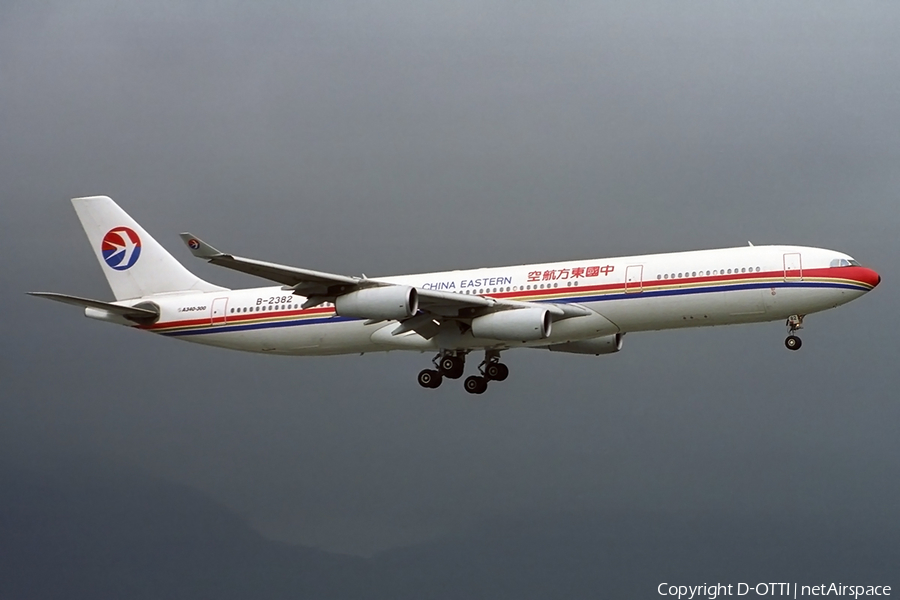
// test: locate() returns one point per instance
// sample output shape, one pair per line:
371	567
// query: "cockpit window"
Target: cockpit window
843	262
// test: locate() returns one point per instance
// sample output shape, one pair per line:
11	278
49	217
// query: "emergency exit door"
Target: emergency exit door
793	267
634	279
217	313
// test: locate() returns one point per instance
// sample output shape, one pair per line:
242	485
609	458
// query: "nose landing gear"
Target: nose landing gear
792	342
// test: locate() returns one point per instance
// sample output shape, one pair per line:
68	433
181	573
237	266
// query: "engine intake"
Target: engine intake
522	324
383	303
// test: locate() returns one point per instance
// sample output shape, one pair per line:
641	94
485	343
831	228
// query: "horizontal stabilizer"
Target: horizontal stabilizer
139	314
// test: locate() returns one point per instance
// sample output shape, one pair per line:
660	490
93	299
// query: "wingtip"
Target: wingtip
198	247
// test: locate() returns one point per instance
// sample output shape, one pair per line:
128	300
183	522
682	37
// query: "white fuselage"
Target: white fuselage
626	294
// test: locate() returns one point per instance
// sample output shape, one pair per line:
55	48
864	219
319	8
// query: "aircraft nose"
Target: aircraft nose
870	276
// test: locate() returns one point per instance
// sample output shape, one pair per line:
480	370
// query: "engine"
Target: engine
607	344
391	302
523	324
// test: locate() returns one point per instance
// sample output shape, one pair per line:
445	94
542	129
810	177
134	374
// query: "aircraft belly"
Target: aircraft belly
341	337
720	308
781	302
689	310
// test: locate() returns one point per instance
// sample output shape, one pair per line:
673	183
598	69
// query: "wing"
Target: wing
435	306
304	282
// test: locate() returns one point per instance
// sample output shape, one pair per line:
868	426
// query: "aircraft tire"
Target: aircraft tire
429	378
475	384
452	366
792	342
496	372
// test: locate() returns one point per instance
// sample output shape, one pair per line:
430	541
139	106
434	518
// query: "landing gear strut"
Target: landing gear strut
792	342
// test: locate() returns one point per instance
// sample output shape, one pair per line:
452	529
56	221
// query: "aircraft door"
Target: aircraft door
634	279
217	313
793	267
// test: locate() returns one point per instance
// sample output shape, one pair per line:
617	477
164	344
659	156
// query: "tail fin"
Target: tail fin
134	263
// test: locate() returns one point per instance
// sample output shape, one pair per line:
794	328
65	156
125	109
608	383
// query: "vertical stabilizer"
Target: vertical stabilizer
134	263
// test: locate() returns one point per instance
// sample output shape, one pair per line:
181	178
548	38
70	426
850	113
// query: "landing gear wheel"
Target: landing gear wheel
429	378
496	371
451	366
793	342
475	384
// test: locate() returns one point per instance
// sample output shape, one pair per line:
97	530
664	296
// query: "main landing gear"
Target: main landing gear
451	366
792	342
491	370
447	365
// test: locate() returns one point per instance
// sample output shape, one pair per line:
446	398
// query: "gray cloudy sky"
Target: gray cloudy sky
402	137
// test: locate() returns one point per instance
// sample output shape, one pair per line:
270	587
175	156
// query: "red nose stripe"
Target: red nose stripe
864	275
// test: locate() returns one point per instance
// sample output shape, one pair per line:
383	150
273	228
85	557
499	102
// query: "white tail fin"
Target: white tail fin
134	263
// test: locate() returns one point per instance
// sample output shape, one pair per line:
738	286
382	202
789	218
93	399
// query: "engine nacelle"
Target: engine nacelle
607	344
521	324
392	302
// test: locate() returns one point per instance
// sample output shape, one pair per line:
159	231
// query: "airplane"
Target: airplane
575	306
